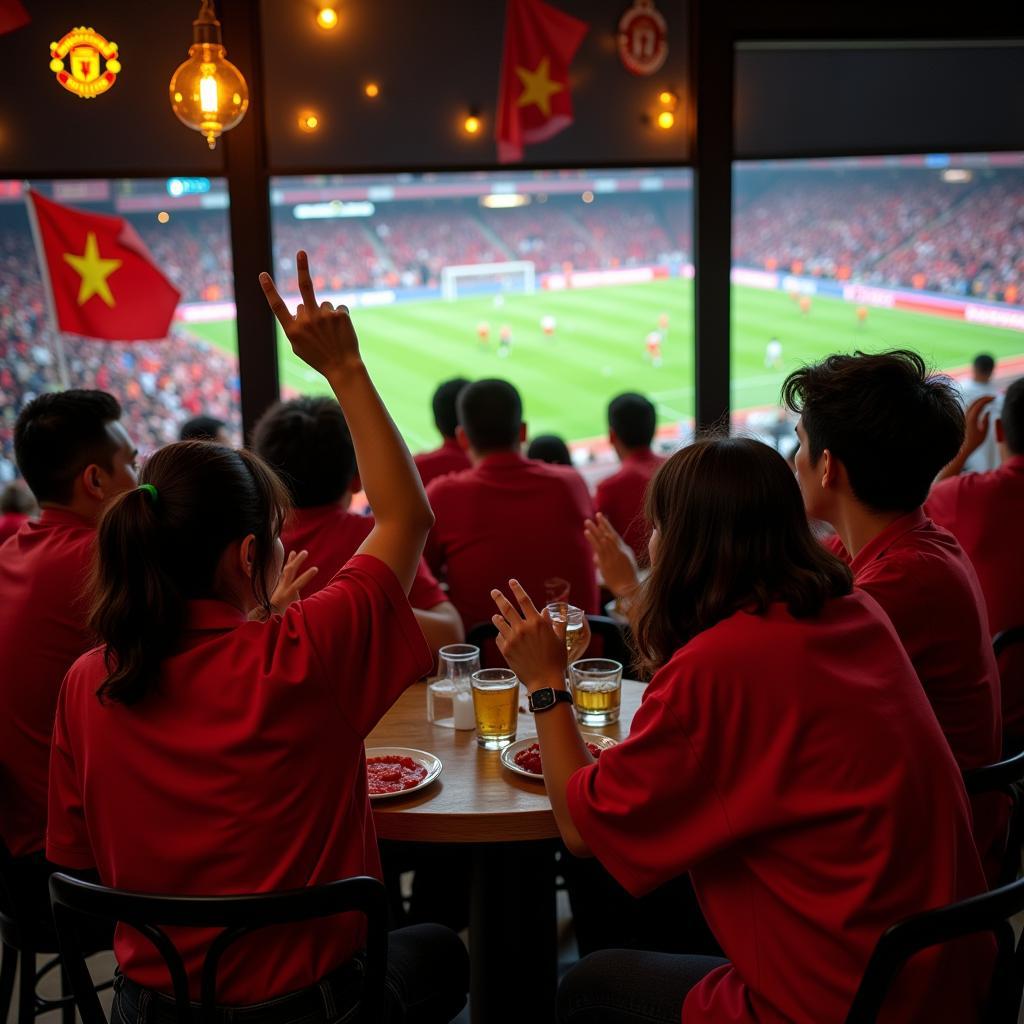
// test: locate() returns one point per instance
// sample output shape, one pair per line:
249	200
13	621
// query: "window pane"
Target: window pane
160	384
579	272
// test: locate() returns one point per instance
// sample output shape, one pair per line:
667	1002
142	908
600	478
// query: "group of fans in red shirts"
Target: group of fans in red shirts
195	650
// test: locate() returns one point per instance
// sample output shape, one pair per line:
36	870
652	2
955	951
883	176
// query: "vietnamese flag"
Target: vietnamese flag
534	102
102	277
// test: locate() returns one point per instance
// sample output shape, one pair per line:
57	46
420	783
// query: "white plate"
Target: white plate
428	761
508	753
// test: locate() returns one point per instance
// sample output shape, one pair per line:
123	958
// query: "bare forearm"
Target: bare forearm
955	468
440	625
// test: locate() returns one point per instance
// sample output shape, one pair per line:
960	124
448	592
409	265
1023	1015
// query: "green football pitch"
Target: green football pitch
598	349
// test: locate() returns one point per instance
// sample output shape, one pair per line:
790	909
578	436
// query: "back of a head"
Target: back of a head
58	435
491	413
549	448
16	498
202	428
633	418
732	535
984	366
306	440
891	424
445	403
1013	417
158	548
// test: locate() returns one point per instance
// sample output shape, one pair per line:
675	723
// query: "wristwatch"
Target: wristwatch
547	697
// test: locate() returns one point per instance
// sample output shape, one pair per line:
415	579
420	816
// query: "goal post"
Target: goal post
522	275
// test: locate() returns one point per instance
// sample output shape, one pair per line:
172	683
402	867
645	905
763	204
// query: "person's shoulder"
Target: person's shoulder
449	483
86	673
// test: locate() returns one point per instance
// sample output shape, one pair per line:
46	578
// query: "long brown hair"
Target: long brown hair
732	535
154	553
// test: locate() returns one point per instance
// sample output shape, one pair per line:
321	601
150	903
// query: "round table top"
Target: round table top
476	799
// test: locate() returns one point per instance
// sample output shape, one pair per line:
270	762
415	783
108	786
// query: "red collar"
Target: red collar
502	460
451	444
64	517
207	615
1015	464
644	455
877	546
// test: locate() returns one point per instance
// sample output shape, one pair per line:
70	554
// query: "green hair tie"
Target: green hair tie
150	490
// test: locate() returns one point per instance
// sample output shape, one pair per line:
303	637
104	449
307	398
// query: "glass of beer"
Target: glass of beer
559	611
496	702
596	685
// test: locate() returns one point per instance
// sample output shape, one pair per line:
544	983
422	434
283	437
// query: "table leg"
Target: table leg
513	941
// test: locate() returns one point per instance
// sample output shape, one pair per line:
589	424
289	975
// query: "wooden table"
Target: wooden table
507	822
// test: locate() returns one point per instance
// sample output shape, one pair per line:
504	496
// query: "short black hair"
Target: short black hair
307	441
1013	417
891	423
201	428
57	435
549	448
633	418
984	363
446	396
491	413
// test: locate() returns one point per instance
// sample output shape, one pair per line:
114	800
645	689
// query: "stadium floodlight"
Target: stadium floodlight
513	275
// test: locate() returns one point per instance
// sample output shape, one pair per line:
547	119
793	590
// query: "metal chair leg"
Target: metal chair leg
67	1013
8	974
27	987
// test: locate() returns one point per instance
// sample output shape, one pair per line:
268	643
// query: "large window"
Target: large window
837	255
160	384
573	285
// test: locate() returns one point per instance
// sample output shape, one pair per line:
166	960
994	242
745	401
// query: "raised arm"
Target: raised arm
323	336
976	430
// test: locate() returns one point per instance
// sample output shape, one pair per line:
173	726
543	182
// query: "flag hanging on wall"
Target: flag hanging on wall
534	101
103	281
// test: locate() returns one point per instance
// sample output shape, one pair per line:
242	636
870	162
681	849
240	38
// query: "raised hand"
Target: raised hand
320	335
976	426
293	580
612	556
533	646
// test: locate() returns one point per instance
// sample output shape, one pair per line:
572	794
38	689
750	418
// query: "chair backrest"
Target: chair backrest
615	637
1007	777
990	912
1008	638
74	900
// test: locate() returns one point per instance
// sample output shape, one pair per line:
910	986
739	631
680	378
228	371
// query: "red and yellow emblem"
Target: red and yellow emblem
84	62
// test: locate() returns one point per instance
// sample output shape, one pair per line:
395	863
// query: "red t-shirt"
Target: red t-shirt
43	569
795	769
243	773
921	577
985	512
510	518
332	535
11	523
449	458
620	498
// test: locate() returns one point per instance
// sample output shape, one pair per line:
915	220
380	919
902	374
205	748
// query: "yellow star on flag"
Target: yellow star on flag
538	87
93	270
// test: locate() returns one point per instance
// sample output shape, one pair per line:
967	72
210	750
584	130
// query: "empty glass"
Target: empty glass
450	697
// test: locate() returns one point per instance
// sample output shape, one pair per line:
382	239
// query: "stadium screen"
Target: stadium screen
574	285
922	252
160	384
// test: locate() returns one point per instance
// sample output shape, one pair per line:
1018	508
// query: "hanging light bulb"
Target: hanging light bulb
208	93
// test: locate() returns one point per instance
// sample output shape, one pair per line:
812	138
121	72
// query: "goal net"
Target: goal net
488	278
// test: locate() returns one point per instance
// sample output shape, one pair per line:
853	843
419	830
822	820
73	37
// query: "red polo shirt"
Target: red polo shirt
243	773
795	769
510	517
921	577
43	569
11	523
985	512
449	458
620	498
332	535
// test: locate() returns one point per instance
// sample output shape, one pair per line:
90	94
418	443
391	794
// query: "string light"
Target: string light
163	216
327	18
372	90
666	98
309	121
666	119
471	124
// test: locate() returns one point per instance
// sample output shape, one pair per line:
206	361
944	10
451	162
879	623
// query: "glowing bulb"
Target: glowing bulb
163	216
472	124
666	98
372	90
208	93
327	18
309	122
666	119
587	197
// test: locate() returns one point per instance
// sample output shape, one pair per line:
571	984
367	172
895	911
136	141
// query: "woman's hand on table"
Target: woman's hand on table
529	641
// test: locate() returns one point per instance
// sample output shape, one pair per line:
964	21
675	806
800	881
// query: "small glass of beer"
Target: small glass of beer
496	702
559	611
596	685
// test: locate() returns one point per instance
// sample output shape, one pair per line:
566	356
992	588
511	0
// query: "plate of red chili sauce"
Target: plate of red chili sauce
397	771
523	757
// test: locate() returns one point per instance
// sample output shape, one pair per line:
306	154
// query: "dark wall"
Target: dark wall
435	61
130	129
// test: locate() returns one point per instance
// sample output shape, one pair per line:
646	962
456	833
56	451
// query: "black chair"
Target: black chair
1008	638
1004	777
23	937
479	634
1002	642
74	900
990	912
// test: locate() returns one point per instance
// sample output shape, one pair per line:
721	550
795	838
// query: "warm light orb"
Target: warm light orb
666	119
472	124
309	122
163	216
666	98
372	90
208	93
588	196
327	18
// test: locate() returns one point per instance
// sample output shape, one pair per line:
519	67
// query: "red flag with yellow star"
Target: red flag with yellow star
534	102
103	280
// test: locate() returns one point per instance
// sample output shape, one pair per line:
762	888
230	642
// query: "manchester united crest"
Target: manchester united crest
84	62
643	38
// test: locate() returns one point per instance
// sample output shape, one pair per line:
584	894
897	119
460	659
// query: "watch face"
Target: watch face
543	699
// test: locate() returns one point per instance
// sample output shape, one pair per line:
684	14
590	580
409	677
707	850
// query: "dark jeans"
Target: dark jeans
625	986
426	983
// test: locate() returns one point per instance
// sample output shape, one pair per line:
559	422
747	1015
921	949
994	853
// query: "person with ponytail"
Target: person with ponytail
213	742
784	755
